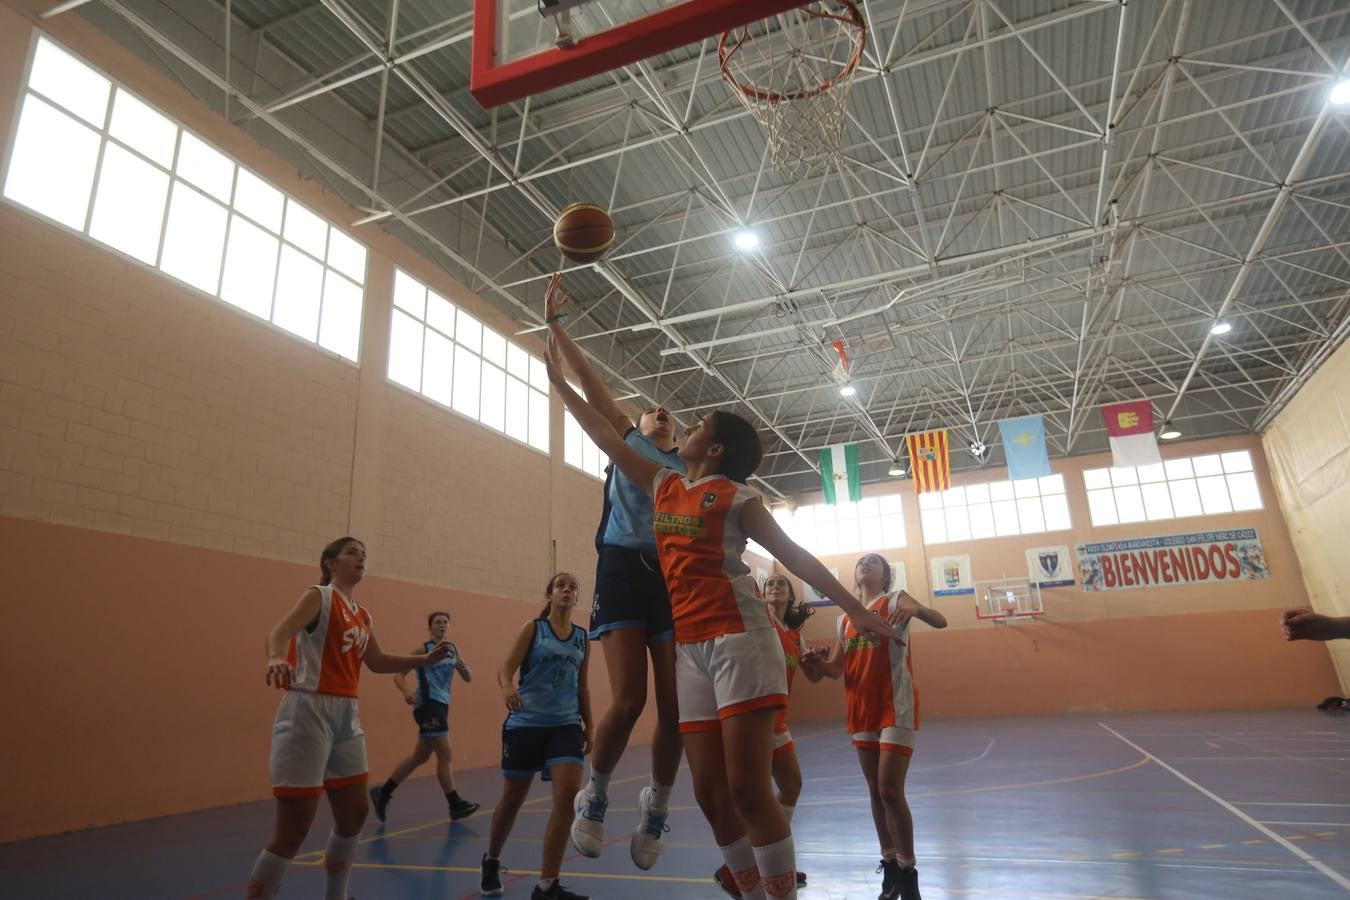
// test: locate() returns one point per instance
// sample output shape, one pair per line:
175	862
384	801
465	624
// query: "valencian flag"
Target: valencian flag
929	461
1024	447
839	469
1130	426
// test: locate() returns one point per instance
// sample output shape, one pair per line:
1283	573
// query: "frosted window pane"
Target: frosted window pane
954	497
869	533
1124	476
1052	484
1029	512
848	536
1244	492
440	314
347	256
1178	468
893	530
306	230
1237	461
1026	487
129	205
889	504
958	525
494	348
538	374
1102	507
1005	518
1152	473
1185	498
934	526
591	455
142	128
1157	501
867	506
205	166
466	383
405	350
492	411
71	83
930	500
51	169
539	421
299	287
573	454
977	493
468	331
1129	504
518	362
409	294
438	368
259	201
1001	490
1095	479
194	240
250	265
340	322
981	520
1214	494
1207	465
1056	513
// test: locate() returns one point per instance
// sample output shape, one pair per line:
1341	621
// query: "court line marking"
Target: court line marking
1276	803
1320	824
1332	874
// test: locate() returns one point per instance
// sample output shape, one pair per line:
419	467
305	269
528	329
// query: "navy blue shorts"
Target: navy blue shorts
433	719
630	592
529	750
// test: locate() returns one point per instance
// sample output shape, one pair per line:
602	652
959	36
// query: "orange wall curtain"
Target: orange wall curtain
929	460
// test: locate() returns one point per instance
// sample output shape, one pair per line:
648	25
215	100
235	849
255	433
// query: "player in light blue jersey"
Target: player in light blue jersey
630	617
430	700
547	729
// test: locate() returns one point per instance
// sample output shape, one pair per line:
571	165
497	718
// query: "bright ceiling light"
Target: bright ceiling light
1220	328
746	239
896	469
1169	432
1340	92
847	390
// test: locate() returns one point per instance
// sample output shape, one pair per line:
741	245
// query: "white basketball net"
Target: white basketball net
792	71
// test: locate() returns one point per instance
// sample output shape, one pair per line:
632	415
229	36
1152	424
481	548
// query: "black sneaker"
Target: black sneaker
460	809
907	883
890	879
490	881
556	892
379	802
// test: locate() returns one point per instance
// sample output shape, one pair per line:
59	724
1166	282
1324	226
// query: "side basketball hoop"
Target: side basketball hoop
793	71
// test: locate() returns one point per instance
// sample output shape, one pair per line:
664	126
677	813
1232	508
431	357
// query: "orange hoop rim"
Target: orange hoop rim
731	41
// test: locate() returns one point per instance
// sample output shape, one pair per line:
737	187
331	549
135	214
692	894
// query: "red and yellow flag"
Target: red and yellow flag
929	460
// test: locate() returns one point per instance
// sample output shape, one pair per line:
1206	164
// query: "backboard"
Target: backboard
517	50
1009	601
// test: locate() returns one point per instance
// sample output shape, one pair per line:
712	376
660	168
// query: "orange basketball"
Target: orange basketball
584	232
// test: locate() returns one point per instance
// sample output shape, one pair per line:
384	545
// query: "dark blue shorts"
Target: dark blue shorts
433	719
529	750
630	592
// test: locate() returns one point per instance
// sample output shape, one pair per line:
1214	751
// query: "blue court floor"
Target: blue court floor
1227	805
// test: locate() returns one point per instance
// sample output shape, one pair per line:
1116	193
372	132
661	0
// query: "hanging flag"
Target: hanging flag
1024	447
929	461
839	468
1130	426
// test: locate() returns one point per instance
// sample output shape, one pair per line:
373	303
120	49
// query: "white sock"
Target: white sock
265	879
788	810
740	859
906	862
546	883
599	783
338	861
661	795
777	864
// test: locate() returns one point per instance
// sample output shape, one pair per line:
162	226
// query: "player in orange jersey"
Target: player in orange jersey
883	715
315	653
730	674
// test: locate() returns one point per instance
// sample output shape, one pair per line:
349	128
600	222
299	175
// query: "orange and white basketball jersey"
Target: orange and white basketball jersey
879	687
327	660
791	639
700	542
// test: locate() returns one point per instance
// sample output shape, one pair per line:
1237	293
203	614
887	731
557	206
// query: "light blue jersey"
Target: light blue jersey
549	679
433	681
627	518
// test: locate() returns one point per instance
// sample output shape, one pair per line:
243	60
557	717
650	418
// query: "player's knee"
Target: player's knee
892	795
790	788
628	706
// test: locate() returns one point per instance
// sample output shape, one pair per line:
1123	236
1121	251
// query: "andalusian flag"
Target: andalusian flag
839	466
929	461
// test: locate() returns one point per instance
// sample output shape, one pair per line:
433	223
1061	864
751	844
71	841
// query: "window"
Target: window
579	451
873	523
1174	489
93	157
994	509
446	355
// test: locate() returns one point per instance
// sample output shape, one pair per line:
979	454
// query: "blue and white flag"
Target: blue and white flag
1024	447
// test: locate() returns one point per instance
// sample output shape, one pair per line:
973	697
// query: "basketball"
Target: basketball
584	232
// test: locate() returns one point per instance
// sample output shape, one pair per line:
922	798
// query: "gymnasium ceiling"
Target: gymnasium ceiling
977	245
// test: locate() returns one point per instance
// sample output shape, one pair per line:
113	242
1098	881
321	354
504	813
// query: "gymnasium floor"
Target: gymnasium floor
1225	805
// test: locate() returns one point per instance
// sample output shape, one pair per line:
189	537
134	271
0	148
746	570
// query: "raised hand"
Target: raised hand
555	301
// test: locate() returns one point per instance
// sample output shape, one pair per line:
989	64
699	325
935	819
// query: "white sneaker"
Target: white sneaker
646	844
588	828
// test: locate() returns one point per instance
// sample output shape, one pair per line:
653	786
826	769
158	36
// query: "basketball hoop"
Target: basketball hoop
793	71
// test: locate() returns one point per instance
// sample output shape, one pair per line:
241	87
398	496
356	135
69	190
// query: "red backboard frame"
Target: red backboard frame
492	85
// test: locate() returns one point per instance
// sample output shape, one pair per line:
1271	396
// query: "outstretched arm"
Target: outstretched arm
640	470
758	524
597	393
913	609
1306	625
377	660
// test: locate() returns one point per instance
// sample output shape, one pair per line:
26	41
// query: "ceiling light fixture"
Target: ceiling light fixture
1340	92
1220	328
896	469
746	239
1169	432
847	390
